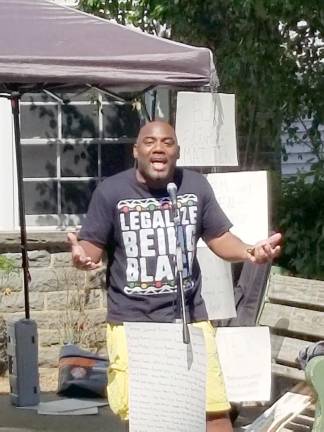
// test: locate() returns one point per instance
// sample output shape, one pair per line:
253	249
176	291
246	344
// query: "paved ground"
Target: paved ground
14	419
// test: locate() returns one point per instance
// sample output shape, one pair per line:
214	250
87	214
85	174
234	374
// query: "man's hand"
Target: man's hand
79	257
265	250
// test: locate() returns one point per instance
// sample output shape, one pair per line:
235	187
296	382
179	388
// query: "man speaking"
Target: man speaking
130	217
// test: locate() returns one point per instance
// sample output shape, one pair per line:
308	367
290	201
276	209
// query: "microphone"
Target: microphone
172	191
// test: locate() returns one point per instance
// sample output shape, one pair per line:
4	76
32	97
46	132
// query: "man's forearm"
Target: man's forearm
230	248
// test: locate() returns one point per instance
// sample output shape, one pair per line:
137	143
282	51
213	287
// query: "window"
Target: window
68	148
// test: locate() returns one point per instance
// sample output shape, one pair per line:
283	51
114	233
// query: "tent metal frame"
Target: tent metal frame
54	65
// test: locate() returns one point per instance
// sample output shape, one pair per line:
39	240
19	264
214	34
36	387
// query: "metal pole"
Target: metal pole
179	262
15	96
154	100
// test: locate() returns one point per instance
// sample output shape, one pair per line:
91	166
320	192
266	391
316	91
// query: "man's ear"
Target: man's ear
135	154
178	152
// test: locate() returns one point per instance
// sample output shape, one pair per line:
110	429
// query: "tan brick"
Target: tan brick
49	356
62	259
11	282
39	258
15	302
48	337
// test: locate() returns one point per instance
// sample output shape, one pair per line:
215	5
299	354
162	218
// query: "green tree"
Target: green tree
267	54
301	215
7	267
270	54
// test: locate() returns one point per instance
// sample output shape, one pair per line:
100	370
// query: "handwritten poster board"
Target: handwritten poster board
206	131
244	198
245	356
217	285
167	378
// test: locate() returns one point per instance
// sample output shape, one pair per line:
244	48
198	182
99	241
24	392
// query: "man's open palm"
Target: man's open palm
79	258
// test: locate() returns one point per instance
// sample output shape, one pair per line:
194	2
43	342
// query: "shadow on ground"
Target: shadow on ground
14	419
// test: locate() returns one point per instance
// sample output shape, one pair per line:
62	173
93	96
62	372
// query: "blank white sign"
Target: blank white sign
244	198
245	356
217	285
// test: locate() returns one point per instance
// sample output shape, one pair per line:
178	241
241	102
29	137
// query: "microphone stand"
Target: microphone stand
179	273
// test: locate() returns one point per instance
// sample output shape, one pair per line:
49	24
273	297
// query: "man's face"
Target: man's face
156	152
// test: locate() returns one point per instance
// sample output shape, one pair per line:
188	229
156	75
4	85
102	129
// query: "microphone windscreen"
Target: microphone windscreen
172	189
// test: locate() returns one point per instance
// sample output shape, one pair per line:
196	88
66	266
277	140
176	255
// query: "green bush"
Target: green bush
301	220
6	264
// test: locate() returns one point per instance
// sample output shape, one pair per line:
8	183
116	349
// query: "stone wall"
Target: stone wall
68	305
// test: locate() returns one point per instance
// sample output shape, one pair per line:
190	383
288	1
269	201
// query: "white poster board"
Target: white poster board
167	378
245	357
244	198
206	131
217	285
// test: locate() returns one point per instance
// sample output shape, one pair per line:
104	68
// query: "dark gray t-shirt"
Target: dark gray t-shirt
135	225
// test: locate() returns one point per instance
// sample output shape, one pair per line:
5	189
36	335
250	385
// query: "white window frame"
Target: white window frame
9	217
62	220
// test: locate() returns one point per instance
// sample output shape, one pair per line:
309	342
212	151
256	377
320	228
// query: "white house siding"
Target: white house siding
8	196
299	156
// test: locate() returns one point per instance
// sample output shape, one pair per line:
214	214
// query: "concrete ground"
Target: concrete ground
14	419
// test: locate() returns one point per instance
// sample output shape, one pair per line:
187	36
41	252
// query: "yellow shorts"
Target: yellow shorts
117	389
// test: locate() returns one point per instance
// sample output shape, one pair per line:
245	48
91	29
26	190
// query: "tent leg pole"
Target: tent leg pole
154	104
21	202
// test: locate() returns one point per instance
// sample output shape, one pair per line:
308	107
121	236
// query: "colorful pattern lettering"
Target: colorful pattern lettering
149	239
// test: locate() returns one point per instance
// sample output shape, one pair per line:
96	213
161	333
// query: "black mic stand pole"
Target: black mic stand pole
179	274
21	201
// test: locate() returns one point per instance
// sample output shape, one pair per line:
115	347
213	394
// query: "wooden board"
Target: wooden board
286	349
296	291
293	320
293	308
288	372
301	423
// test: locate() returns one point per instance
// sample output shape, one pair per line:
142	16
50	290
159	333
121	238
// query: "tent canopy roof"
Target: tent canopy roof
46	45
